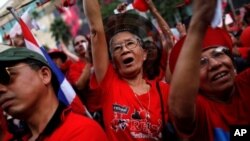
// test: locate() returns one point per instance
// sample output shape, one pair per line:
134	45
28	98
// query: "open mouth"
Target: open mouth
219	76
128	60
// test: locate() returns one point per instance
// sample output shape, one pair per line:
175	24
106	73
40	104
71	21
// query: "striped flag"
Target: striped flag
66	93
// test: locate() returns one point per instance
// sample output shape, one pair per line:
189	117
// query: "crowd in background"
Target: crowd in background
138	82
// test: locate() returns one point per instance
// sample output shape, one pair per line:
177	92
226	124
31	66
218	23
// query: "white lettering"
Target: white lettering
240	132
243	131
237	132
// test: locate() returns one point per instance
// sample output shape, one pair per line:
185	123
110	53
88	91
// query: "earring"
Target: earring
235	71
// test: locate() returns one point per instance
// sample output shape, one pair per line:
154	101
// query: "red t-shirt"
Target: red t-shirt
244	51
65	125
245	36
75	71
3	128
124	114
213	119
66	65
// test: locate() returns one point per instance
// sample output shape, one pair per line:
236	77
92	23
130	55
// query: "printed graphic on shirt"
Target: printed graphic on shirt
137	122
120	109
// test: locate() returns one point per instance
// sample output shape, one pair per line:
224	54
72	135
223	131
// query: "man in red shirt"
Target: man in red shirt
4	134
28	91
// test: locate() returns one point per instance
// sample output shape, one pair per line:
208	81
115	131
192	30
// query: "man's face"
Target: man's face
127	54
80	45
18	41
20	93
217	71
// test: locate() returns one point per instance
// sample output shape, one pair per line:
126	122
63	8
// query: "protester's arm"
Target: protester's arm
181	29
83	80
167	37
162	23
69	54
98	41
185	80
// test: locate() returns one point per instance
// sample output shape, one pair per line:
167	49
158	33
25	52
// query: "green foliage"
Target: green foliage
35	14
168	9
108	9
60	31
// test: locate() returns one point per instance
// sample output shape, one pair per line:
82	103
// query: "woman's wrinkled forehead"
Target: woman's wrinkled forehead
121	36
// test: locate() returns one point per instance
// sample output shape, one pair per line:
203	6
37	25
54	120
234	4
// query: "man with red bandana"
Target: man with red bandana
207	97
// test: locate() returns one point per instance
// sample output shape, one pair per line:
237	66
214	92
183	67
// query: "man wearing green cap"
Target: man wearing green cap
28	91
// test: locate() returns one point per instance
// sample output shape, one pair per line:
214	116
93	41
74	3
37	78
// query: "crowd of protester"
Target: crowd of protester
137	81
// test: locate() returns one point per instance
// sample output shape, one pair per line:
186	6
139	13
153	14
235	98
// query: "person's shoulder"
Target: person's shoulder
244	74
246	71
76	127
79	120
81	123
78	63
162	84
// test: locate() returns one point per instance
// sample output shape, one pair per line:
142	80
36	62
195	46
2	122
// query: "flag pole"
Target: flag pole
12	11
232	8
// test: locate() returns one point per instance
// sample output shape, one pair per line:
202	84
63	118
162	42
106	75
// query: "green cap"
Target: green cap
8	53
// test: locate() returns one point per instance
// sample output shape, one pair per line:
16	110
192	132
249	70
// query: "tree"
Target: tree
35	14
168	9
108	8
60	31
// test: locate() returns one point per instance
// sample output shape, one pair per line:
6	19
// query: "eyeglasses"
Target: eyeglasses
79	42
6	72
130	44
218	54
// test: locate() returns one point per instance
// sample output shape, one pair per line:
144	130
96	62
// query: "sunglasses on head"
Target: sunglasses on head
4	76
5	73
218	53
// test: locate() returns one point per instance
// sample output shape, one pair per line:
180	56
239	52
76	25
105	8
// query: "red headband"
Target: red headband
214	37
